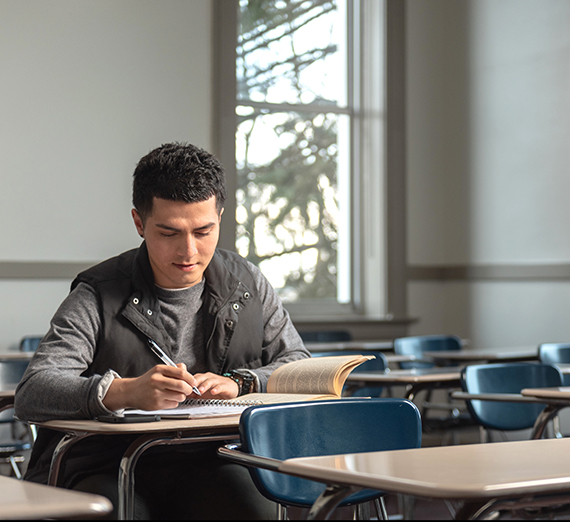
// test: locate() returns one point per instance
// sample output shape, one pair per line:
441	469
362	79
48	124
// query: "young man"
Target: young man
210	310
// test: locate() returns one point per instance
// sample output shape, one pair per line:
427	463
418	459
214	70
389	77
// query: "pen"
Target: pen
159	352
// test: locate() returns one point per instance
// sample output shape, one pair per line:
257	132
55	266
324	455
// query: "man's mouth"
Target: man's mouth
185	267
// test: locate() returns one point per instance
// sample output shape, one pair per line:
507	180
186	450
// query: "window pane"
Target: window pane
292	52
290	213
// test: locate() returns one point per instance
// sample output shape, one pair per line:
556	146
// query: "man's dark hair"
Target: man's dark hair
177	172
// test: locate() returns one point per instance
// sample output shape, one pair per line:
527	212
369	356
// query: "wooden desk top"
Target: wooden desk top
350	345
487	354
20	499
464	471
560	392
16	356
412	376
219	424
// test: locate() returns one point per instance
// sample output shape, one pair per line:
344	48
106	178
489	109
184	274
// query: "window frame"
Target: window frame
380	294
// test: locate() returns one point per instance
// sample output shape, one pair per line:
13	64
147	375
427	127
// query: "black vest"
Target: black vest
130	314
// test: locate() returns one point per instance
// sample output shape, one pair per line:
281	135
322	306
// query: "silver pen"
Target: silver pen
159	352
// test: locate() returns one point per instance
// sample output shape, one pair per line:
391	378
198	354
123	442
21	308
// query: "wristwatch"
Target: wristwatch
243	379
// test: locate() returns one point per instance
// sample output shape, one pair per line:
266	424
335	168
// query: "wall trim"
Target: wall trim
42	269
546	272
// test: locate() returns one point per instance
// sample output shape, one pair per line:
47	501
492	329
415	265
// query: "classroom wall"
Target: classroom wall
488	123
88	87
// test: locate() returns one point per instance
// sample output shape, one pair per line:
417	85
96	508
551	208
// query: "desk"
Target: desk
16	356
485	477
416	379
163	432
350	345
20	499
553	403
484	355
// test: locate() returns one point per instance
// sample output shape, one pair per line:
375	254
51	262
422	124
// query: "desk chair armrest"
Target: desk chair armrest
233	452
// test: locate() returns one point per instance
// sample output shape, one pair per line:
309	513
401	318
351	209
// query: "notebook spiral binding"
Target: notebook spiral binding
220	402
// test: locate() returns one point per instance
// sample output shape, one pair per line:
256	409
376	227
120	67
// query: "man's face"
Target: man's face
181	239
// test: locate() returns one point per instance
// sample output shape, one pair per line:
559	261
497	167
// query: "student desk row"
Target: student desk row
482	477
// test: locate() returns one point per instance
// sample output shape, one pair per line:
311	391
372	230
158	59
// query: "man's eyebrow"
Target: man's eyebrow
174	229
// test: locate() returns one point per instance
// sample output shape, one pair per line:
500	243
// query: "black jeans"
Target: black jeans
189	483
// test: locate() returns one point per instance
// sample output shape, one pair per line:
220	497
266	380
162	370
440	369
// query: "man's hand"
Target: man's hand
213	386
162	387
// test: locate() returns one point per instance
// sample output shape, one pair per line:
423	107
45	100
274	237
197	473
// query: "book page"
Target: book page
317	375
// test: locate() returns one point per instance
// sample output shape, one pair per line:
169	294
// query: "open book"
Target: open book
306	379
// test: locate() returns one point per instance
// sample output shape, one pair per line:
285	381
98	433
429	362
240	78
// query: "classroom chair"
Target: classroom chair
555	353
331	336
506	378
456	416
378	364
14	444
29	343
274	432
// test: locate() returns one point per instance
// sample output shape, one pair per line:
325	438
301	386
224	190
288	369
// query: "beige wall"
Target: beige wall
88	87
488	125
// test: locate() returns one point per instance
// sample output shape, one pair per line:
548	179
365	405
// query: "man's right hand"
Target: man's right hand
162	387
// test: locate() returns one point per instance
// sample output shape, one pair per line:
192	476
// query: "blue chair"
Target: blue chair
13	446
417	345
506	378
275	432
30	343
378	364
331	336
555	353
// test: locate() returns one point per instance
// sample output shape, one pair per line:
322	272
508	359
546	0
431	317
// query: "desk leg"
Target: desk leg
328	500
542	420
126	491
63	445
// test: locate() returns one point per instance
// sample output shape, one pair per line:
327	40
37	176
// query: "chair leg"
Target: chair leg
281	512
15	467
380	506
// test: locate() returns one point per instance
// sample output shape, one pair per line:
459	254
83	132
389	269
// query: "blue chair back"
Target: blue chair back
11	373
507	378
324	427
30	343
379	364
424	343
326	337
556	353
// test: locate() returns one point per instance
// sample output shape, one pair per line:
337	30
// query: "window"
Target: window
308	150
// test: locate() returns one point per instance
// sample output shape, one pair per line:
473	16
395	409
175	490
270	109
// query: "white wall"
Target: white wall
88	87
488	131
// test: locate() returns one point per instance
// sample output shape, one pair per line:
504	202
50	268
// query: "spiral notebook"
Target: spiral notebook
200	408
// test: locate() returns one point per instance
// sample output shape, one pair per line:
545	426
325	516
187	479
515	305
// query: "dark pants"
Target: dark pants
175	483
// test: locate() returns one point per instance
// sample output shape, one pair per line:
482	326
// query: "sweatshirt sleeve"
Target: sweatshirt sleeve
281	341
53	386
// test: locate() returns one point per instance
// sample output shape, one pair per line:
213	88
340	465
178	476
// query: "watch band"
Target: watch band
243	379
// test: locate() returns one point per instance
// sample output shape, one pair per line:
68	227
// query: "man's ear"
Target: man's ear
138	222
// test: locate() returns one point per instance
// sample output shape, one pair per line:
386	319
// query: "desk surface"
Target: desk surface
164	425
487	354
560	392
412	376
20	499
464	471
350	345
16	356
